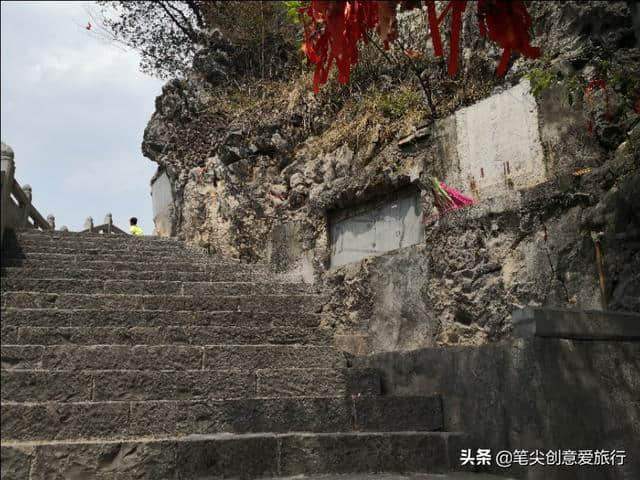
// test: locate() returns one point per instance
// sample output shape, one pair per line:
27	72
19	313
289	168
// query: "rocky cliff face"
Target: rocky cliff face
259	170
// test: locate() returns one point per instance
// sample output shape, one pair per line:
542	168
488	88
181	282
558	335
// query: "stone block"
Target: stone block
267	357
105	461
21	357
46	386
189	385
317	382
390	413
576	324
15	463
64	421
118	357
241	416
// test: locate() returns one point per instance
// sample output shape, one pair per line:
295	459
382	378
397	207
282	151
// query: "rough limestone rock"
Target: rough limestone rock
259	176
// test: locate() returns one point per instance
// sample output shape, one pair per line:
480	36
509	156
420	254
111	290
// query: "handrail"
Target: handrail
106	227
24	199
16	201
18	210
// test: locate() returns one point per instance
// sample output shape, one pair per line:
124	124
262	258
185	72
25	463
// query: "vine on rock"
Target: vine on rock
334	29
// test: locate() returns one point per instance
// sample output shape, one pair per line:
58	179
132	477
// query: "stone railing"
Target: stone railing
19	212
17	208
106	227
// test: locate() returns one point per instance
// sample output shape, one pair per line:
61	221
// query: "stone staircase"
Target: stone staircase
139	358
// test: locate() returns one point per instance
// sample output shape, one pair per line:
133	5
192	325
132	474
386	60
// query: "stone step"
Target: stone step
402	476
110	420
125	256
167	335
44	236
168	357
150	287
209	303
158	275
139	385
79	246
143	266
120	255
46	317
246	456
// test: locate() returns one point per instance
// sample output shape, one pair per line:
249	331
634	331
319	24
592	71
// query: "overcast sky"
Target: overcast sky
74	109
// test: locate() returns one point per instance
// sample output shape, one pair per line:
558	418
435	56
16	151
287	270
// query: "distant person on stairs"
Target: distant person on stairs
134	228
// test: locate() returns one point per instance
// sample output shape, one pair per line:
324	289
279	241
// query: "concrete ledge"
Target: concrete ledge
576	324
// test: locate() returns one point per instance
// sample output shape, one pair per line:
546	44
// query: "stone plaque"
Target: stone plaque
498	146
162	202
375	228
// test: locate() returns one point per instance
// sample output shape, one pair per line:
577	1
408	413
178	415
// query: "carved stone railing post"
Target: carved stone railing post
106	227
26	208
8	170
108	221
51	220
88	224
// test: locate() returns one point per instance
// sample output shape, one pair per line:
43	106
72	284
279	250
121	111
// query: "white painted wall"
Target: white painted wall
498	147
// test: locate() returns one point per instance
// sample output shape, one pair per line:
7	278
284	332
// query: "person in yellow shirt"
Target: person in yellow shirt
134	228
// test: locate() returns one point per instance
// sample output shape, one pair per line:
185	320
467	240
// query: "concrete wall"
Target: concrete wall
162	202
531	394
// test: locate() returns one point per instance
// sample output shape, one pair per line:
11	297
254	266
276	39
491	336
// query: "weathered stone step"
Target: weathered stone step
168	357
246	456
128	257
167	335
54	236
150	287
256	303
143	266
402	476
138	385
176	255
110	420
159	275
80	246
47	317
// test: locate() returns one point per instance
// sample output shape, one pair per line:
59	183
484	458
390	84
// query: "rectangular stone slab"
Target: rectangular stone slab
128	318
262	357
56	421
576	324
138	385
113	420
45	272
263	303
148	287
75	256
15	463
169	357
45	386
19	357
114	357
366	452
236	456
293	382
118	265
173	334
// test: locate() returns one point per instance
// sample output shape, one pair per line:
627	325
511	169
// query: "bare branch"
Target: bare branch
197	12
188	32
187	22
